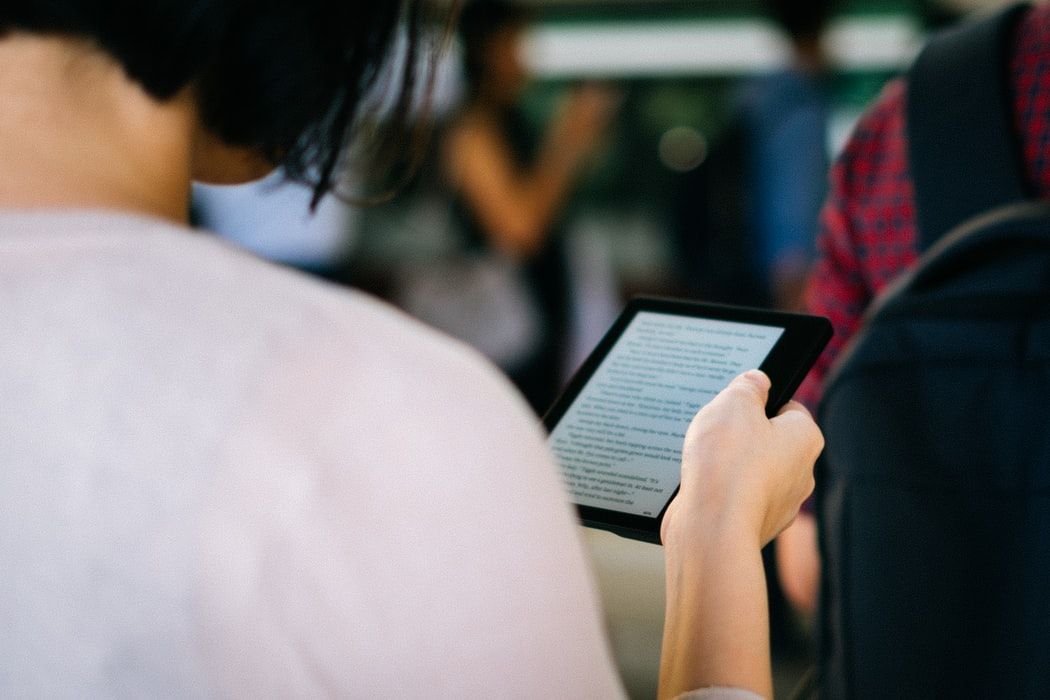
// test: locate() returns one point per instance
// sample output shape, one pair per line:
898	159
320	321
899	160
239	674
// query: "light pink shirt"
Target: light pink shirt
222	478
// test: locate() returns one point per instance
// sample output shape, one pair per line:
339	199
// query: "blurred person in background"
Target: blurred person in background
222	478
511	184
868	234
785	117
747	215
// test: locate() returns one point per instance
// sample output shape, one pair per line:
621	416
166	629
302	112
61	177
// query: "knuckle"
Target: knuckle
742	386
817	438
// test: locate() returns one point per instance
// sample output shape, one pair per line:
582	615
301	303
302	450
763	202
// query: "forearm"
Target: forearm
743	478
566	147
541	193
515	206
549	184
798	563
525	230
716	631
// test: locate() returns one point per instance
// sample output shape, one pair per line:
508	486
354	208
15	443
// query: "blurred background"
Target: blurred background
588	151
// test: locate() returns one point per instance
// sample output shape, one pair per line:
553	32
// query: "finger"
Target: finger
755	382
798	428
794	406
747	391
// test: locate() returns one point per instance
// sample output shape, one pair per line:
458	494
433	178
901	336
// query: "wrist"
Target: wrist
720	519
716	629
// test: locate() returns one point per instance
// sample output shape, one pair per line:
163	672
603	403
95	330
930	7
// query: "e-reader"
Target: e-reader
618	428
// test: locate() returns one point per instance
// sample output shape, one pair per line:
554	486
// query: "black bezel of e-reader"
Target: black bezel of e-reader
787	364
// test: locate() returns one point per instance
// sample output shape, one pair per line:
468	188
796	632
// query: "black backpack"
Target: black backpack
933	494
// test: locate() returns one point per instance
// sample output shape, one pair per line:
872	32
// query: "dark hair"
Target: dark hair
290	78
801	19
479	22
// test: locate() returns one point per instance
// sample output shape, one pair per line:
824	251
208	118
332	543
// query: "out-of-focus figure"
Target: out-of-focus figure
511	184
747	216
785	118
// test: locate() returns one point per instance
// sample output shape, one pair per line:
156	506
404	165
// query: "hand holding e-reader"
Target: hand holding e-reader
618	429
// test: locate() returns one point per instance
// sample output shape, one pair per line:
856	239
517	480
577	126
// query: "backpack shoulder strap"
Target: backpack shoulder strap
964	155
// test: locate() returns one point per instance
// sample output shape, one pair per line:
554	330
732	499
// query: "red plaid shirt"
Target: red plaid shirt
867	230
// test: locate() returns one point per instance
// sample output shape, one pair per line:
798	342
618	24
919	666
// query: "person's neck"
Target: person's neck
76	132
810	56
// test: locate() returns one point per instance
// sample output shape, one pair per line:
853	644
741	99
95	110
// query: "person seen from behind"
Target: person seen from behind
224	478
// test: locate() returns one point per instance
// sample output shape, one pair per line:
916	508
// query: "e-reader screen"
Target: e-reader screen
620	444
618	431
